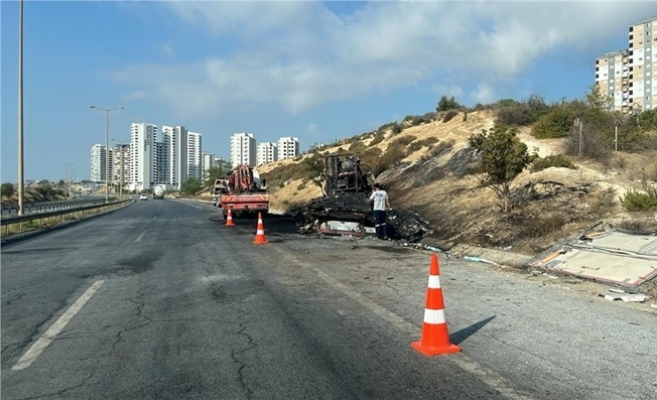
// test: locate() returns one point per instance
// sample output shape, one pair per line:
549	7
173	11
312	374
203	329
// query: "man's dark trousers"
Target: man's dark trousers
380	224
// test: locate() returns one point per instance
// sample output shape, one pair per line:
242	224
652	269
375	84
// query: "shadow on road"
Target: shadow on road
459	336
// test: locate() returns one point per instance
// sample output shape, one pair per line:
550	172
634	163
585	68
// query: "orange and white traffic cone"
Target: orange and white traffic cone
435	337
260	233
229	219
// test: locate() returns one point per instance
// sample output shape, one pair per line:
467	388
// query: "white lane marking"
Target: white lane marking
43	342
486	375
154	218
140	236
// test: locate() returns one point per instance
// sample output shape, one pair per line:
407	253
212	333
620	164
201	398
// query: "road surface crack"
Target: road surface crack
234	353
219	295
140	306
11	301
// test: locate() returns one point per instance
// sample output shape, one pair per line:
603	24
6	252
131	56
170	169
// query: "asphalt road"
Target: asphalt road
160	300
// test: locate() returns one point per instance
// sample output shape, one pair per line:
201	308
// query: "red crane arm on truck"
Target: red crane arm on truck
243	192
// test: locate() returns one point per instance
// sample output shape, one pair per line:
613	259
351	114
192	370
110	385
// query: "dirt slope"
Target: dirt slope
439	183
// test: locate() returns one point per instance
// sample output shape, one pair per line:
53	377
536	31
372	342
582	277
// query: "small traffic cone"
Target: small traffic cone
260	233
435	337
229	219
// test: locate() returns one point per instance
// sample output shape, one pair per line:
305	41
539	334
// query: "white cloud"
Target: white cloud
313	129
446	90
484	94
299	55
137	95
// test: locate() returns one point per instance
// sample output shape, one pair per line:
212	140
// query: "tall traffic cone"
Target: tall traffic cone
229	218
435	337
260	233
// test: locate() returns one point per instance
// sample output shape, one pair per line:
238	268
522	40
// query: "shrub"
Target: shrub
377	139
635	200
450	115
504	157
446	104
402	141
559	161
392	157
465	116
418	144
524	113
556	123
396	128
357	147
415	120
370	157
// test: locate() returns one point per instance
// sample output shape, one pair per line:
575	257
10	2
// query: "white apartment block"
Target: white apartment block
243	149
266	153
288	147
160	163
142	156
626	75
207	162
194	162
99	163
175	148
121	164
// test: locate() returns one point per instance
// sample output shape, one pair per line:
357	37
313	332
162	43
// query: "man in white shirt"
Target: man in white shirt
380	199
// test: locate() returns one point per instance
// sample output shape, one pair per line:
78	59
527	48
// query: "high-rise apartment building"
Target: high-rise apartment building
121	165
243	149
288	147
266	153
142	156
97	162
160	163
626	75
207	162
194	162
99	166
175	142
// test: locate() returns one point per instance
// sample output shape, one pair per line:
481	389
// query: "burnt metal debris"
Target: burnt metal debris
353	207
344	209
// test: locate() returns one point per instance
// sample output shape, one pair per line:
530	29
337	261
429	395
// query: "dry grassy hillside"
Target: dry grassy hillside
438	179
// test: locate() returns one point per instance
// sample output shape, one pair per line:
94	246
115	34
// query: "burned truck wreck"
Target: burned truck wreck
344	209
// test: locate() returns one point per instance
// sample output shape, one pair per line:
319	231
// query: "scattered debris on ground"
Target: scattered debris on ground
603	254
351	214
631	296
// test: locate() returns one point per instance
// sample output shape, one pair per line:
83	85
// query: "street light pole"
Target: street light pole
68	181
21	164
107	168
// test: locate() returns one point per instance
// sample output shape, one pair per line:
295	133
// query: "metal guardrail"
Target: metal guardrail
19	219
32	208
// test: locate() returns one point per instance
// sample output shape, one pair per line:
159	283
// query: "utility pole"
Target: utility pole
21	164
68	180
107	163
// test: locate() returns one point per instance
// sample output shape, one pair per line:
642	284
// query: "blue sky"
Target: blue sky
318	71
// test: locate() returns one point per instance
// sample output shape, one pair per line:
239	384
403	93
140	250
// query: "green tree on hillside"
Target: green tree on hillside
445	104
504	157
191	186
314	167
8	190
